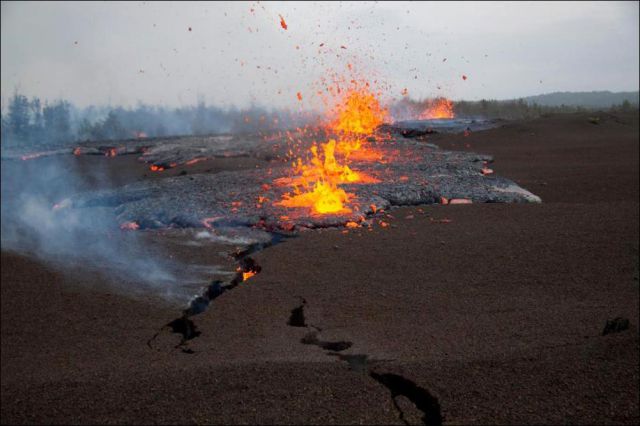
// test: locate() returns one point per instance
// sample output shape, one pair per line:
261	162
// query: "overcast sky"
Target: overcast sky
237	53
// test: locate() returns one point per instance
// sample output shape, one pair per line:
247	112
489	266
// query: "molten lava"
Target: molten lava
359	113
320	178
324	198
438	108
283	23
325	167
355	117
247	275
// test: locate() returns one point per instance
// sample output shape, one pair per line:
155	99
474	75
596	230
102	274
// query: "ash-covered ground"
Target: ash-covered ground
432	313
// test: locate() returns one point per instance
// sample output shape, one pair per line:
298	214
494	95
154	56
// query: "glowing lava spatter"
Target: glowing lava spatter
324	166
356	116
319	179
360	113
325	197
438	108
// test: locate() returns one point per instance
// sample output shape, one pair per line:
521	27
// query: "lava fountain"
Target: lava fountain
438	108
356	116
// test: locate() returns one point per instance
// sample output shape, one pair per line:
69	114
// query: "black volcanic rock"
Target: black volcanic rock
410	173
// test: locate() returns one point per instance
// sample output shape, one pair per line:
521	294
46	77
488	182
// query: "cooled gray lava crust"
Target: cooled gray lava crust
411	173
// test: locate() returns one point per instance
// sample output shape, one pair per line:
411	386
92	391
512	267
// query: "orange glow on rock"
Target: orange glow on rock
460	201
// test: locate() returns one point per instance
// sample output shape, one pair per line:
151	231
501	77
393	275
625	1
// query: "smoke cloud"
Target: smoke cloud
36	221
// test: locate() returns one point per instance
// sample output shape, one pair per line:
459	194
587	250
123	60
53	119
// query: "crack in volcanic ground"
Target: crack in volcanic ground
404	172
397	385
183	325
247	205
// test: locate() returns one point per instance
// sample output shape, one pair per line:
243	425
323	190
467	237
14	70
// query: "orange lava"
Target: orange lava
247	275
323	198
283	24
359	112
319	179
354	117
460	201
325	166
438	108
155	168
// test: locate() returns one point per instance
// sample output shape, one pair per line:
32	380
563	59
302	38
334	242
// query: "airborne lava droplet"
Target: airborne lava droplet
283	24
464	77
438	108
299	95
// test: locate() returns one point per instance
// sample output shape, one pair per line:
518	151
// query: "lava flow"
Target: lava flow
438	109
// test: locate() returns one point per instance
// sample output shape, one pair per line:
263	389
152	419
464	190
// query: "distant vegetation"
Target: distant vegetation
30	122
603	99
530	107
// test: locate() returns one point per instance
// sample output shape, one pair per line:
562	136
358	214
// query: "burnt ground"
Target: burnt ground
482	313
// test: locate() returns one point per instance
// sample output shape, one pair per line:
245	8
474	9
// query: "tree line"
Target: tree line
515	109
30	122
